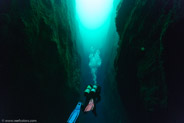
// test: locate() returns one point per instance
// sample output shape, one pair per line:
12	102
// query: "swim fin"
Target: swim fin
75	114
90	106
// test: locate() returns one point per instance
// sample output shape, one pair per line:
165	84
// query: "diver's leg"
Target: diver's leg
94	110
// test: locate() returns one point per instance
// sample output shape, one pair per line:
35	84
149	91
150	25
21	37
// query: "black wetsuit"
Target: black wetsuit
96	97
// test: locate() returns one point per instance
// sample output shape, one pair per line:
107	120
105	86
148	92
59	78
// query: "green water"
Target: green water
93	18
97	42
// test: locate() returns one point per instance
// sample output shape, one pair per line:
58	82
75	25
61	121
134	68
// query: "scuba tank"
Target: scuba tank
96	89
92	89
87	90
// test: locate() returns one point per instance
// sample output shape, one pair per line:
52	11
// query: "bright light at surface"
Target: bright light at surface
93	13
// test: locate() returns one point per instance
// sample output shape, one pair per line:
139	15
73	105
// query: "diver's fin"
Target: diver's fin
75	114
90	106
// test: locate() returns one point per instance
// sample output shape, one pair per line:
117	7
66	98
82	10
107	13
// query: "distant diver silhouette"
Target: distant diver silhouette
74	115
92	93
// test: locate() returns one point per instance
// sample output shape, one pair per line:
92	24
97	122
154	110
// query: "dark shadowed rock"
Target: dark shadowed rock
39	64
142	63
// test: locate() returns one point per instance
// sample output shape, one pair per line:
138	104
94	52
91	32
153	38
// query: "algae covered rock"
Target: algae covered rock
40	65
142	67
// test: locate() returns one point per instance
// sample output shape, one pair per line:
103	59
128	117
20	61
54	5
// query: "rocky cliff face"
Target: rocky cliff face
39	63
143	67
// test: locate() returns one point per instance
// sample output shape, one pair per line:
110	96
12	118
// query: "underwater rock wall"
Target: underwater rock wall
140	64
40	74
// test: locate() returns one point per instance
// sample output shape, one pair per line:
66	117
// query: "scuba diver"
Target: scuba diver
92	94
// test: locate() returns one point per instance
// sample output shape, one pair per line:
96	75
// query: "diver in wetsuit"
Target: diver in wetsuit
92	93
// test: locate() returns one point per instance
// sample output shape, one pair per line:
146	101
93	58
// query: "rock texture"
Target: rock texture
39	65
142	63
